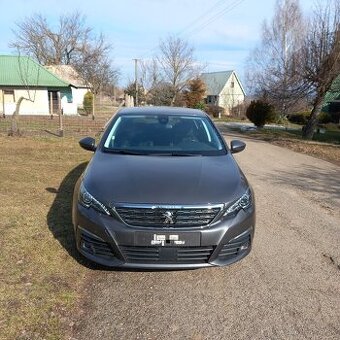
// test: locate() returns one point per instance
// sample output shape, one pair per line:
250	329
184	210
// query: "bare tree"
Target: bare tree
320	58
177	63
161	94
36	38
131	91
29	75
271	66
150	73
98	73
72	42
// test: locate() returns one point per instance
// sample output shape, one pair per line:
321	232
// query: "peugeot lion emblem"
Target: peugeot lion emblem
169	217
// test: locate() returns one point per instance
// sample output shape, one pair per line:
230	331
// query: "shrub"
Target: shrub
200	106
214	110
324	118
161	94
281	120
299	117
88	103
194	95
260	113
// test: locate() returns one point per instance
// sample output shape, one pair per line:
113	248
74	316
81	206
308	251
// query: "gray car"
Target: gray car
163	190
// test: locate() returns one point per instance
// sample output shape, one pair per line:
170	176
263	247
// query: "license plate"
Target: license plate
168	239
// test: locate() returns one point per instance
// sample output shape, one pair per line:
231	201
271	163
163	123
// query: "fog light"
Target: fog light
87	247
244	246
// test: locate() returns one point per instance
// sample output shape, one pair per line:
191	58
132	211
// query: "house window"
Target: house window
232	84
67	94
212	100
9	96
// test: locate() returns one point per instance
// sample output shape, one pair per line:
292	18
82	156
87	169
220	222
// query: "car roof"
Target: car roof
161	110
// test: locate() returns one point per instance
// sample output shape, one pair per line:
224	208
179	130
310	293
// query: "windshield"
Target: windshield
163	134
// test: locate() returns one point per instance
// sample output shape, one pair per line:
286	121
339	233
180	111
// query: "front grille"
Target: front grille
184	255
95	245
232	248
168	217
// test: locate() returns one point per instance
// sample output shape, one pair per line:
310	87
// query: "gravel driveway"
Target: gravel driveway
287	288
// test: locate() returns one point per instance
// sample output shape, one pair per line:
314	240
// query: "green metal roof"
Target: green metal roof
332	95
24	71
215	81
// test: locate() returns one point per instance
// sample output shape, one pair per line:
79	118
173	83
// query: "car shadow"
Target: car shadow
59	220
59	216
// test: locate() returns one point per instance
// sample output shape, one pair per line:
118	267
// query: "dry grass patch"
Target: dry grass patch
327	152
39	267
292	140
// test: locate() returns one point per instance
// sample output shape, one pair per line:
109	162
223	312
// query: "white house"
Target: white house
43	92
79	86
223	89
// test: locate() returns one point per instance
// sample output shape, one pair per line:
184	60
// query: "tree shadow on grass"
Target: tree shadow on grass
59	217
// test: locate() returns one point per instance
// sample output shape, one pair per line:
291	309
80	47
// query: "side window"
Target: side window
9	96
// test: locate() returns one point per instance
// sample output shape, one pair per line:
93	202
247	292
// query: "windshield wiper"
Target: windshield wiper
144	153
185	154
126	152
176	153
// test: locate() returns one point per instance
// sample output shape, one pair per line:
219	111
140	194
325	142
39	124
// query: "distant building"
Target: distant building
44	92
223	89
70	75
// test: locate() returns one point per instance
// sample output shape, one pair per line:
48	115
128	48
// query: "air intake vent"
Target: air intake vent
185	255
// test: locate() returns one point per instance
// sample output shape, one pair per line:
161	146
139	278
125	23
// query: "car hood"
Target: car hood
138	179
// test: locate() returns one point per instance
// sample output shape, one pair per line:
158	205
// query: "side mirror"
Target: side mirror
237	146
88	143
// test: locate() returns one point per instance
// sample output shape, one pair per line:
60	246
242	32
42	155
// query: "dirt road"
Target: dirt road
287	288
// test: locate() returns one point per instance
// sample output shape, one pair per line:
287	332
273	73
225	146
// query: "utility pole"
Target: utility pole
136	77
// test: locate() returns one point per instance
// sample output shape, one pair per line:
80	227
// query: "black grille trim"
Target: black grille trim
194	254
95	245
181	216
185	255
232	248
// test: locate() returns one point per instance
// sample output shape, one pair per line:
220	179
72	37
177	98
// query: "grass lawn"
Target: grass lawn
329	136
40	271
325	146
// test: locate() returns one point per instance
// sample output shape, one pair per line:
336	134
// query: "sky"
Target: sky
222	32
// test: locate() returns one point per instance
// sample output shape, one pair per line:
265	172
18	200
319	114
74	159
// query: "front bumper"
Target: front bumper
110	242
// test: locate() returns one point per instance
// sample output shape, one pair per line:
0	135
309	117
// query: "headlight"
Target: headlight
87	200
244	202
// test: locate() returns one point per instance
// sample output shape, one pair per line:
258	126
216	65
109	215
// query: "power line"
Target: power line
225	10
216	5
191	29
